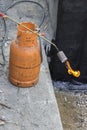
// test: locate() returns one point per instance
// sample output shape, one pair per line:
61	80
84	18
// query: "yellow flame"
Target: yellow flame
71	71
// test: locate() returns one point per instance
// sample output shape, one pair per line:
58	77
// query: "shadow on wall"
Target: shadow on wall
71	37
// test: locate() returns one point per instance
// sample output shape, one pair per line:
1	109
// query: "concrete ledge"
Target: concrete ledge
29	108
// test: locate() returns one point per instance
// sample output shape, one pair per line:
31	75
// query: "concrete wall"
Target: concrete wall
53	6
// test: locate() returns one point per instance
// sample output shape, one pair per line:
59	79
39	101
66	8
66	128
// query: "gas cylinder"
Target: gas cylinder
25	58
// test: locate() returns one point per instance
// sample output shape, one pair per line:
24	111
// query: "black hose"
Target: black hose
3	42
16	3
41	49
5	29
4	39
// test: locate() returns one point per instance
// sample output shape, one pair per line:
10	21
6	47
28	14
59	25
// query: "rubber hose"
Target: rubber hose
16	3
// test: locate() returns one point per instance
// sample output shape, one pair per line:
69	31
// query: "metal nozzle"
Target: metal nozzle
71	71
64	59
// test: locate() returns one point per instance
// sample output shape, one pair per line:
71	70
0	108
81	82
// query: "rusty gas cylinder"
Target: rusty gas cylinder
25	58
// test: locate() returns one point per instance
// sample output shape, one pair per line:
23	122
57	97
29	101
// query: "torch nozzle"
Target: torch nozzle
71	71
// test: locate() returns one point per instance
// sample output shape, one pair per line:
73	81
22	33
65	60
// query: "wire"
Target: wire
41	49
3	42
29	1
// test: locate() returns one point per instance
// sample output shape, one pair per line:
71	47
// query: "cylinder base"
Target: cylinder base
23	84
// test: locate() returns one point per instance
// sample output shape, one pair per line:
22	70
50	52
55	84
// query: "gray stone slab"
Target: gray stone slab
32	108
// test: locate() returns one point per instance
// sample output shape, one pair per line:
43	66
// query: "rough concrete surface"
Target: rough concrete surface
53	9
32	108
73	109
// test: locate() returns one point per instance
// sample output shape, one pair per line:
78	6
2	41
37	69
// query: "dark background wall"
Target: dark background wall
71	37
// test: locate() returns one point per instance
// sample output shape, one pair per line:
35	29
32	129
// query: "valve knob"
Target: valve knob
2	15
43	34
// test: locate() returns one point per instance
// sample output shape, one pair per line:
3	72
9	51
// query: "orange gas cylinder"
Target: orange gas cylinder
25	58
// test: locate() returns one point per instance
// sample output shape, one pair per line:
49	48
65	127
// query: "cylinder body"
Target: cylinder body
25	59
